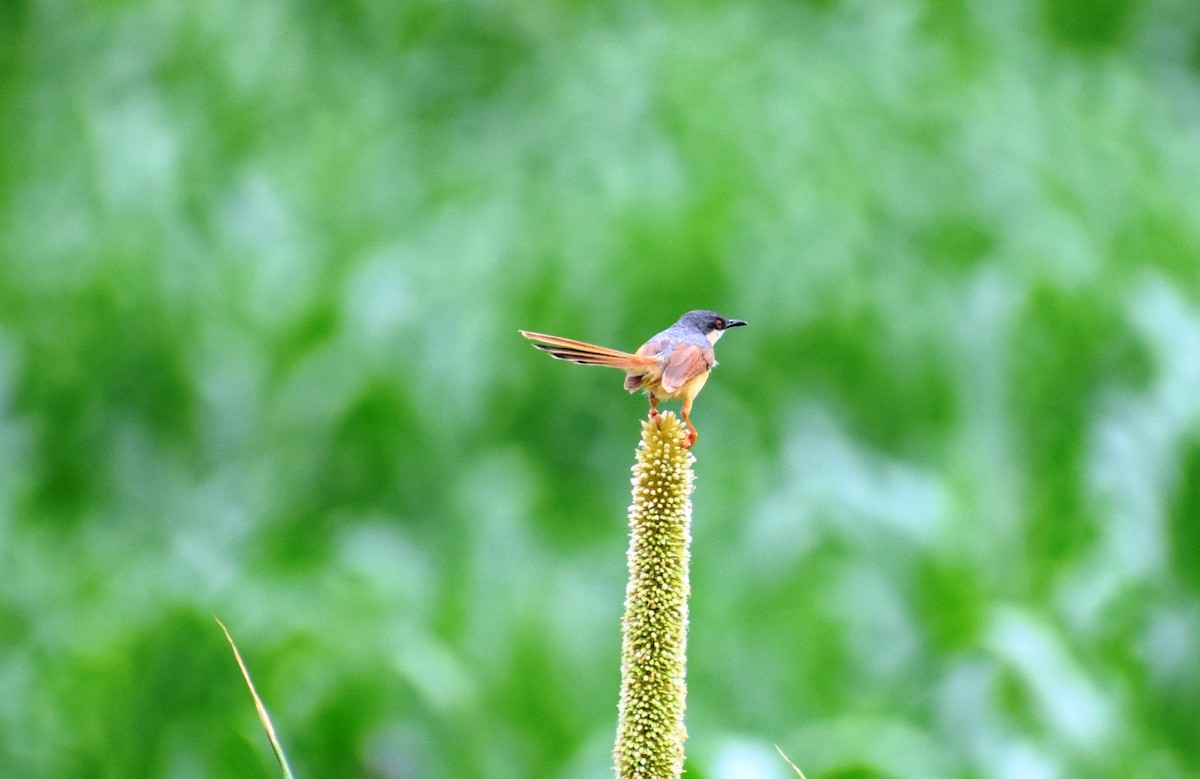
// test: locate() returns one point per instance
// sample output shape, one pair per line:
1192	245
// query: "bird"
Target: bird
673	364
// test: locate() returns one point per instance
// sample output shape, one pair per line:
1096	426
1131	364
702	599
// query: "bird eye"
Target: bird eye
719	323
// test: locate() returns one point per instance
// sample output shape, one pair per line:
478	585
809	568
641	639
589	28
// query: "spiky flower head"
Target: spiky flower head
650	731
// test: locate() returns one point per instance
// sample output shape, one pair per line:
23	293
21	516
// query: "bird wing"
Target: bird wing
687	361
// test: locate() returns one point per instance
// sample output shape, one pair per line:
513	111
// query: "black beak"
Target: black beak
734	323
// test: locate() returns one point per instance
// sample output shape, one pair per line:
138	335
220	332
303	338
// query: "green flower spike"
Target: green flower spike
650	730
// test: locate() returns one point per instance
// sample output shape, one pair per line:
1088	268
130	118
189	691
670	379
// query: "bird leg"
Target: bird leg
692	434
653	406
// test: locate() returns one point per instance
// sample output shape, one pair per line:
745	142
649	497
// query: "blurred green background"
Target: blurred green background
261	271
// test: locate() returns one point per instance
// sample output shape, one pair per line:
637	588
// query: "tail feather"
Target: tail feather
586	358
584	353
570	343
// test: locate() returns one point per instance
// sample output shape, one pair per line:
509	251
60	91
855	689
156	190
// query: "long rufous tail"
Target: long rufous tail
585	353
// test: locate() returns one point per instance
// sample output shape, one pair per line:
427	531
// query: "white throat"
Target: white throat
714	335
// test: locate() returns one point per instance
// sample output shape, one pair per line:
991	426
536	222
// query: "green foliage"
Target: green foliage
261	271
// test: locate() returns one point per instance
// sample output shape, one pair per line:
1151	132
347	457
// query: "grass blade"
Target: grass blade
789	762
263	717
